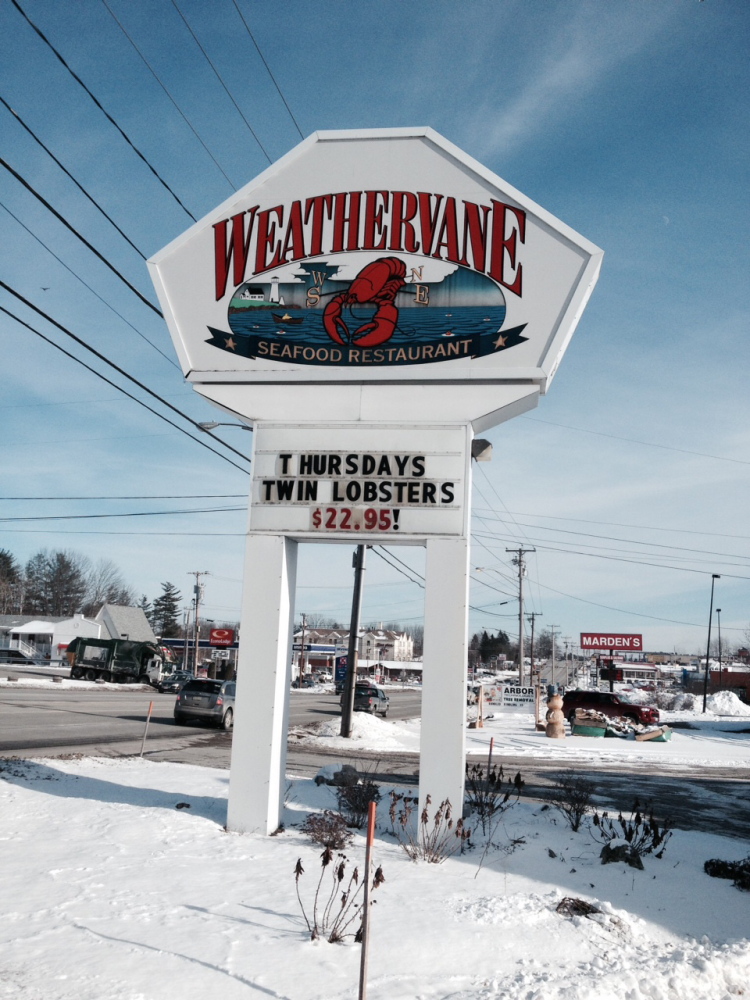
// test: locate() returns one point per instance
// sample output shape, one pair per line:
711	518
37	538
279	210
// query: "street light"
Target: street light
714	577
718	624
208	425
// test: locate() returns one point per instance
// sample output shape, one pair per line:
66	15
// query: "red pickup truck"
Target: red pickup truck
609	704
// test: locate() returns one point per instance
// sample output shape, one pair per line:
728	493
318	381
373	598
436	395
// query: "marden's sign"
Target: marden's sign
608	640
368	480
375	254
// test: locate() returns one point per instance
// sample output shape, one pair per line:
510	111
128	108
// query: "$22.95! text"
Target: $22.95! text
354	519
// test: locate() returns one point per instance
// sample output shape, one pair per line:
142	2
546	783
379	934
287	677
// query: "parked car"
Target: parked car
175	681
18	656
303	682
369	698
612	705
207	701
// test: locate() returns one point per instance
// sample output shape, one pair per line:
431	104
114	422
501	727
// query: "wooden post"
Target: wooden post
148	719
371	810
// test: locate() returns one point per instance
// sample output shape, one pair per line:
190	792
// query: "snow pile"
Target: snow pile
727	703
368	732
119	883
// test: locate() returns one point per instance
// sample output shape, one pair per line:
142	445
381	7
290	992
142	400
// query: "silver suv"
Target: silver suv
206	701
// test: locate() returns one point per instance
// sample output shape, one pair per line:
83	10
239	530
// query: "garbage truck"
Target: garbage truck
118	660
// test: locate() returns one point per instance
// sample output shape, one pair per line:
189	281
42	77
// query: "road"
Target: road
103	722
45	720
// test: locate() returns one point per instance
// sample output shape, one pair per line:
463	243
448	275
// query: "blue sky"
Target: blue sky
628	121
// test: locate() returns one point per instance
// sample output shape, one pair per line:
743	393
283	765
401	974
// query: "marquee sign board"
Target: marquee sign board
371	256
367	482
607	640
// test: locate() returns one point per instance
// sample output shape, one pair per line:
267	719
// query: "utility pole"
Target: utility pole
347	706
714	578
532	618
552	635
186	637
518	561
302	657
198	592
567	640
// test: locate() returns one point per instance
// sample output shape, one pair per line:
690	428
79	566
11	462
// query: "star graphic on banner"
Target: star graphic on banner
500	342
230	344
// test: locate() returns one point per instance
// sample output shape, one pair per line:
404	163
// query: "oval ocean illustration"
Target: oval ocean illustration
374	314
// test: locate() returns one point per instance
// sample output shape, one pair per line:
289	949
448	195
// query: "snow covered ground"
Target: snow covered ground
720	738
120	883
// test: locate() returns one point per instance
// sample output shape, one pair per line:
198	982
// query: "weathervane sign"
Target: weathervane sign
428	265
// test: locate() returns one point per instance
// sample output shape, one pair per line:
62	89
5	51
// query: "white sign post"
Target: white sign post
367	304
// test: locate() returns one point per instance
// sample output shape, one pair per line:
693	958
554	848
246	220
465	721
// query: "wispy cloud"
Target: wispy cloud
566	61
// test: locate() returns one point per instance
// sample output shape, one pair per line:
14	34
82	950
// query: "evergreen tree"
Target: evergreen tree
11	584
165	619
146	607
55	583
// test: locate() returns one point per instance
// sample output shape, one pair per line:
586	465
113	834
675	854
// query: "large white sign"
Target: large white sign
374	481
368	303
375	255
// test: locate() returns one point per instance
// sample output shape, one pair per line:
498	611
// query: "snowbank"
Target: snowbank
119	883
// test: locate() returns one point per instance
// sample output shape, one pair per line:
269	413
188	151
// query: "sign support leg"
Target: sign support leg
442	753
256	777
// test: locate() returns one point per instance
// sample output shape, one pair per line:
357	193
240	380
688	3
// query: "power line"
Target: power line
171	98
622	611
99	105
219	78
140	513
648	444
168	496
147	534
628	541
405	565
92	290
120	371
67	173
417	582
268	68
634	562
619	524
397	568
79	236
125	374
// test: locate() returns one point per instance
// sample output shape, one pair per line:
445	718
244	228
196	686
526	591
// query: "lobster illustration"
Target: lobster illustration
378	282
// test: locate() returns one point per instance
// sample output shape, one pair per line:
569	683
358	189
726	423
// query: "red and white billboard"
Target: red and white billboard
221	637
607	640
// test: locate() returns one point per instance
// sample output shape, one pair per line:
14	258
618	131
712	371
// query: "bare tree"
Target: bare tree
105	585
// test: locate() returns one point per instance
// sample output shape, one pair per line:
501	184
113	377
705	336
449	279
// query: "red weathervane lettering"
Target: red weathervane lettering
485	238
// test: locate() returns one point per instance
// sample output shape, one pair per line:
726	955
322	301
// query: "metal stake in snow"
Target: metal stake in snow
371	809
148	719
